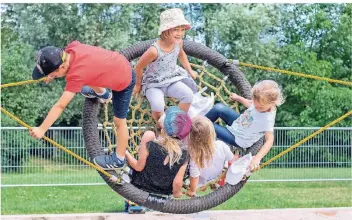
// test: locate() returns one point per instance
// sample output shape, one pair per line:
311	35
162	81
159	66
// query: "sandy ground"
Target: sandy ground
268	214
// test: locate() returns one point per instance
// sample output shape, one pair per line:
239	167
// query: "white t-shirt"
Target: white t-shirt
213	168
251	125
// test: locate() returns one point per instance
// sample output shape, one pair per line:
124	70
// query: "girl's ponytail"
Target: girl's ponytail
172	146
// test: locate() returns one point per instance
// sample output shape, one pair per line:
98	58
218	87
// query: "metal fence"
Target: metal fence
29	162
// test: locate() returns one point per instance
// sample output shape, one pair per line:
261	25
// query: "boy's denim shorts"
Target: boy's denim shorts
121	100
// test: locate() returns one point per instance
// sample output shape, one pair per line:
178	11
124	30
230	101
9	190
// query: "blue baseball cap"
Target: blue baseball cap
48	59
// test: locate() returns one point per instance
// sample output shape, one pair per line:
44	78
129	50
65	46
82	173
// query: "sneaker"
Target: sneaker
90	93
109	162
106	97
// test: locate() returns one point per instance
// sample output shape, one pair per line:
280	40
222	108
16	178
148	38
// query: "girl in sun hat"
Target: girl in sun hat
163	77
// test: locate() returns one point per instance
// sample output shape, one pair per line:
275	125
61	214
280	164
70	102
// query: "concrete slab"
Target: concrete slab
267	214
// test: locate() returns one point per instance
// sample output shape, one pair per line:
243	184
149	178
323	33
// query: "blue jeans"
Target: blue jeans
228	115
121	100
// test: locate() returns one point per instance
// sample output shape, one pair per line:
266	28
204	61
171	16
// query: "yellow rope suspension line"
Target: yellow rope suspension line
306	139
22	83
105	129
112	177
296	74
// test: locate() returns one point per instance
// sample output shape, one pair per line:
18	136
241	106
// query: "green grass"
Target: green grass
83	199
302	173
255	195
266	195
40	171
67	174
85	175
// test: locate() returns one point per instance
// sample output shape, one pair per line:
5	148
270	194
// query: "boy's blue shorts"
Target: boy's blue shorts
121	100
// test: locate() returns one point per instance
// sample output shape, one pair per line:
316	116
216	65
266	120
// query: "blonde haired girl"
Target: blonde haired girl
207	155
162	163
257	121
201	141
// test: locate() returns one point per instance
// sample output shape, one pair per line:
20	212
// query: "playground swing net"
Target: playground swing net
140	117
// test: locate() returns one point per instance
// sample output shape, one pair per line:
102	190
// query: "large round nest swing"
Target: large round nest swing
149	200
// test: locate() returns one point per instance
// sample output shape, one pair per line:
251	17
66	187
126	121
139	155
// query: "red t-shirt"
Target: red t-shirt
95	66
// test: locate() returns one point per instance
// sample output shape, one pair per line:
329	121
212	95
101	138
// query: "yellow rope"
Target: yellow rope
112	177
22	83
216	89
144	113
306	139
145	116
223	174
296	74
213	76
204	187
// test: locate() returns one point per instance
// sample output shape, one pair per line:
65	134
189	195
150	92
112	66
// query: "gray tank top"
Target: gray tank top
165	71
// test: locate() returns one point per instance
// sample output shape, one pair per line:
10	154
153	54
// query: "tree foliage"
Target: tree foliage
309	38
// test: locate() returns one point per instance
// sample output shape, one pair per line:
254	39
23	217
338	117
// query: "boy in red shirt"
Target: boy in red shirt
89	70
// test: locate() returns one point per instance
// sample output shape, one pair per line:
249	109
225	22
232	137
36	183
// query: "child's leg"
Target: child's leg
224	134
156	116
121	102
227	114
122	137
155	97
181	91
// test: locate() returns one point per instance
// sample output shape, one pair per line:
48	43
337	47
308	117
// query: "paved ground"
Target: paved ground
267	214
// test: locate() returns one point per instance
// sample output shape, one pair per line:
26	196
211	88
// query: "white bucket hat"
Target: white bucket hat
238	169
172	18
